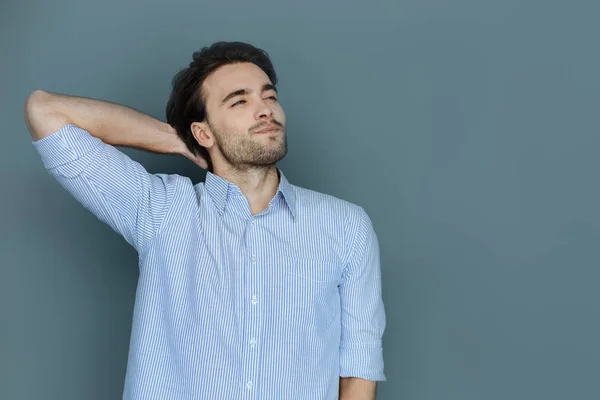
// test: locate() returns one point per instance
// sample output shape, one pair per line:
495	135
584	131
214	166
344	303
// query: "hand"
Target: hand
196	159
180	148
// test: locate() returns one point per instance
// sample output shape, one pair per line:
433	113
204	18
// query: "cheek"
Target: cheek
237	123
279	114
226	130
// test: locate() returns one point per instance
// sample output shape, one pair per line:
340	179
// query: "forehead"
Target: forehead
231	77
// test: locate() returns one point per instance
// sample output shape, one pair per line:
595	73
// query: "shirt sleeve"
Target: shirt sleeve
116	189
363	316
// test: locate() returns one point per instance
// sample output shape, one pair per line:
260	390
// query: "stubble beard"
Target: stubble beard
243	152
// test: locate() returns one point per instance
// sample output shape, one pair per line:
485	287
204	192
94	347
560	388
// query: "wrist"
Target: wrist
175	144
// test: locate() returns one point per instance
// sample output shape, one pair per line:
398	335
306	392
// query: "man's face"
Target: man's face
244	117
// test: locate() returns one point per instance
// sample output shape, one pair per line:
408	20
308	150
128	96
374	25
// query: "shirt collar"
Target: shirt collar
221	189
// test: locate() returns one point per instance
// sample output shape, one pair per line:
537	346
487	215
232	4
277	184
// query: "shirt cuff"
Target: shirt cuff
362	362
66	145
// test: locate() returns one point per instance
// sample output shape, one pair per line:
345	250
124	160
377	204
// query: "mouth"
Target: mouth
269	129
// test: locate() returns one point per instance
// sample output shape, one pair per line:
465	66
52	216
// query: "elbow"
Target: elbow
36	100
40	116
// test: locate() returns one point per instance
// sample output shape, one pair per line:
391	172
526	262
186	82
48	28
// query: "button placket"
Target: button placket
253	329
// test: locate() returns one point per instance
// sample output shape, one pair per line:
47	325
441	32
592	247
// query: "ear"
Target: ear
202	134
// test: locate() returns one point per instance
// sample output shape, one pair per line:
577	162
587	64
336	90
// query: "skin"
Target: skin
238	151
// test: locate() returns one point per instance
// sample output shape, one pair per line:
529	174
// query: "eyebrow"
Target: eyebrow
241	92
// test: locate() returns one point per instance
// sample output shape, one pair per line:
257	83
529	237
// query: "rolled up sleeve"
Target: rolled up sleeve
363	316
116	189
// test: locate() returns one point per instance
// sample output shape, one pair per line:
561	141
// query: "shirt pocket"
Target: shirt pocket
310	294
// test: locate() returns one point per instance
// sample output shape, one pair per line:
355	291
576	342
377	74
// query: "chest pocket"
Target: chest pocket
309	293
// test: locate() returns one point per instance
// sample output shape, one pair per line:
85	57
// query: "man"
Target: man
249	286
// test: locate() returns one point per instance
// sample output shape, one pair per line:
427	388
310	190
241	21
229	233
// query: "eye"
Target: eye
273	98
238	102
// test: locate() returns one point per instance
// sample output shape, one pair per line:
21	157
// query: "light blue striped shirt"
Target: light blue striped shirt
278	305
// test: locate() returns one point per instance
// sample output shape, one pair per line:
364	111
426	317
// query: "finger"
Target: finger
202	163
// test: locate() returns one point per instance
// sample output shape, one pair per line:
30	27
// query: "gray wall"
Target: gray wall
468	130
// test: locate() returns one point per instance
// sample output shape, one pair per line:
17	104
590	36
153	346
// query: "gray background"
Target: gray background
467	129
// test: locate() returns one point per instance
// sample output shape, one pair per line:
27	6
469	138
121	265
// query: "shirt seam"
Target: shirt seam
171	201
355	242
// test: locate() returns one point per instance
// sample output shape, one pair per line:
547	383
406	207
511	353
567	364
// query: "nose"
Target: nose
264	111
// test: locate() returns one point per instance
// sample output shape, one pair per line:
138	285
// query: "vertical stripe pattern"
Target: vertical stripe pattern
230	305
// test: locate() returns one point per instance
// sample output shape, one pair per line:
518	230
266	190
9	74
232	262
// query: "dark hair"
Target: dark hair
187	103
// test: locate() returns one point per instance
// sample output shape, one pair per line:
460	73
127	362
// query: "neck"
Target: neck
258	184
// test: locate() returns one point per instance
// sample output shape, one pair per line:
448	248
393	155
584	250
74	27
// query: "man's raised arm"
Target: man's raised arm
75	138
46	113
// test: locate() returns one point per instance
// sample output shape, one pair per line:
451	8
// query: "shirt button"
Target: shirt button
253	342
252	221
254	300
254	259
249	384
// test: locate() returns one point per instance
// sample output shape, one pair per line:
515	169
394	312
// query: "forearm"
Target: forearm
114	124
357	389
